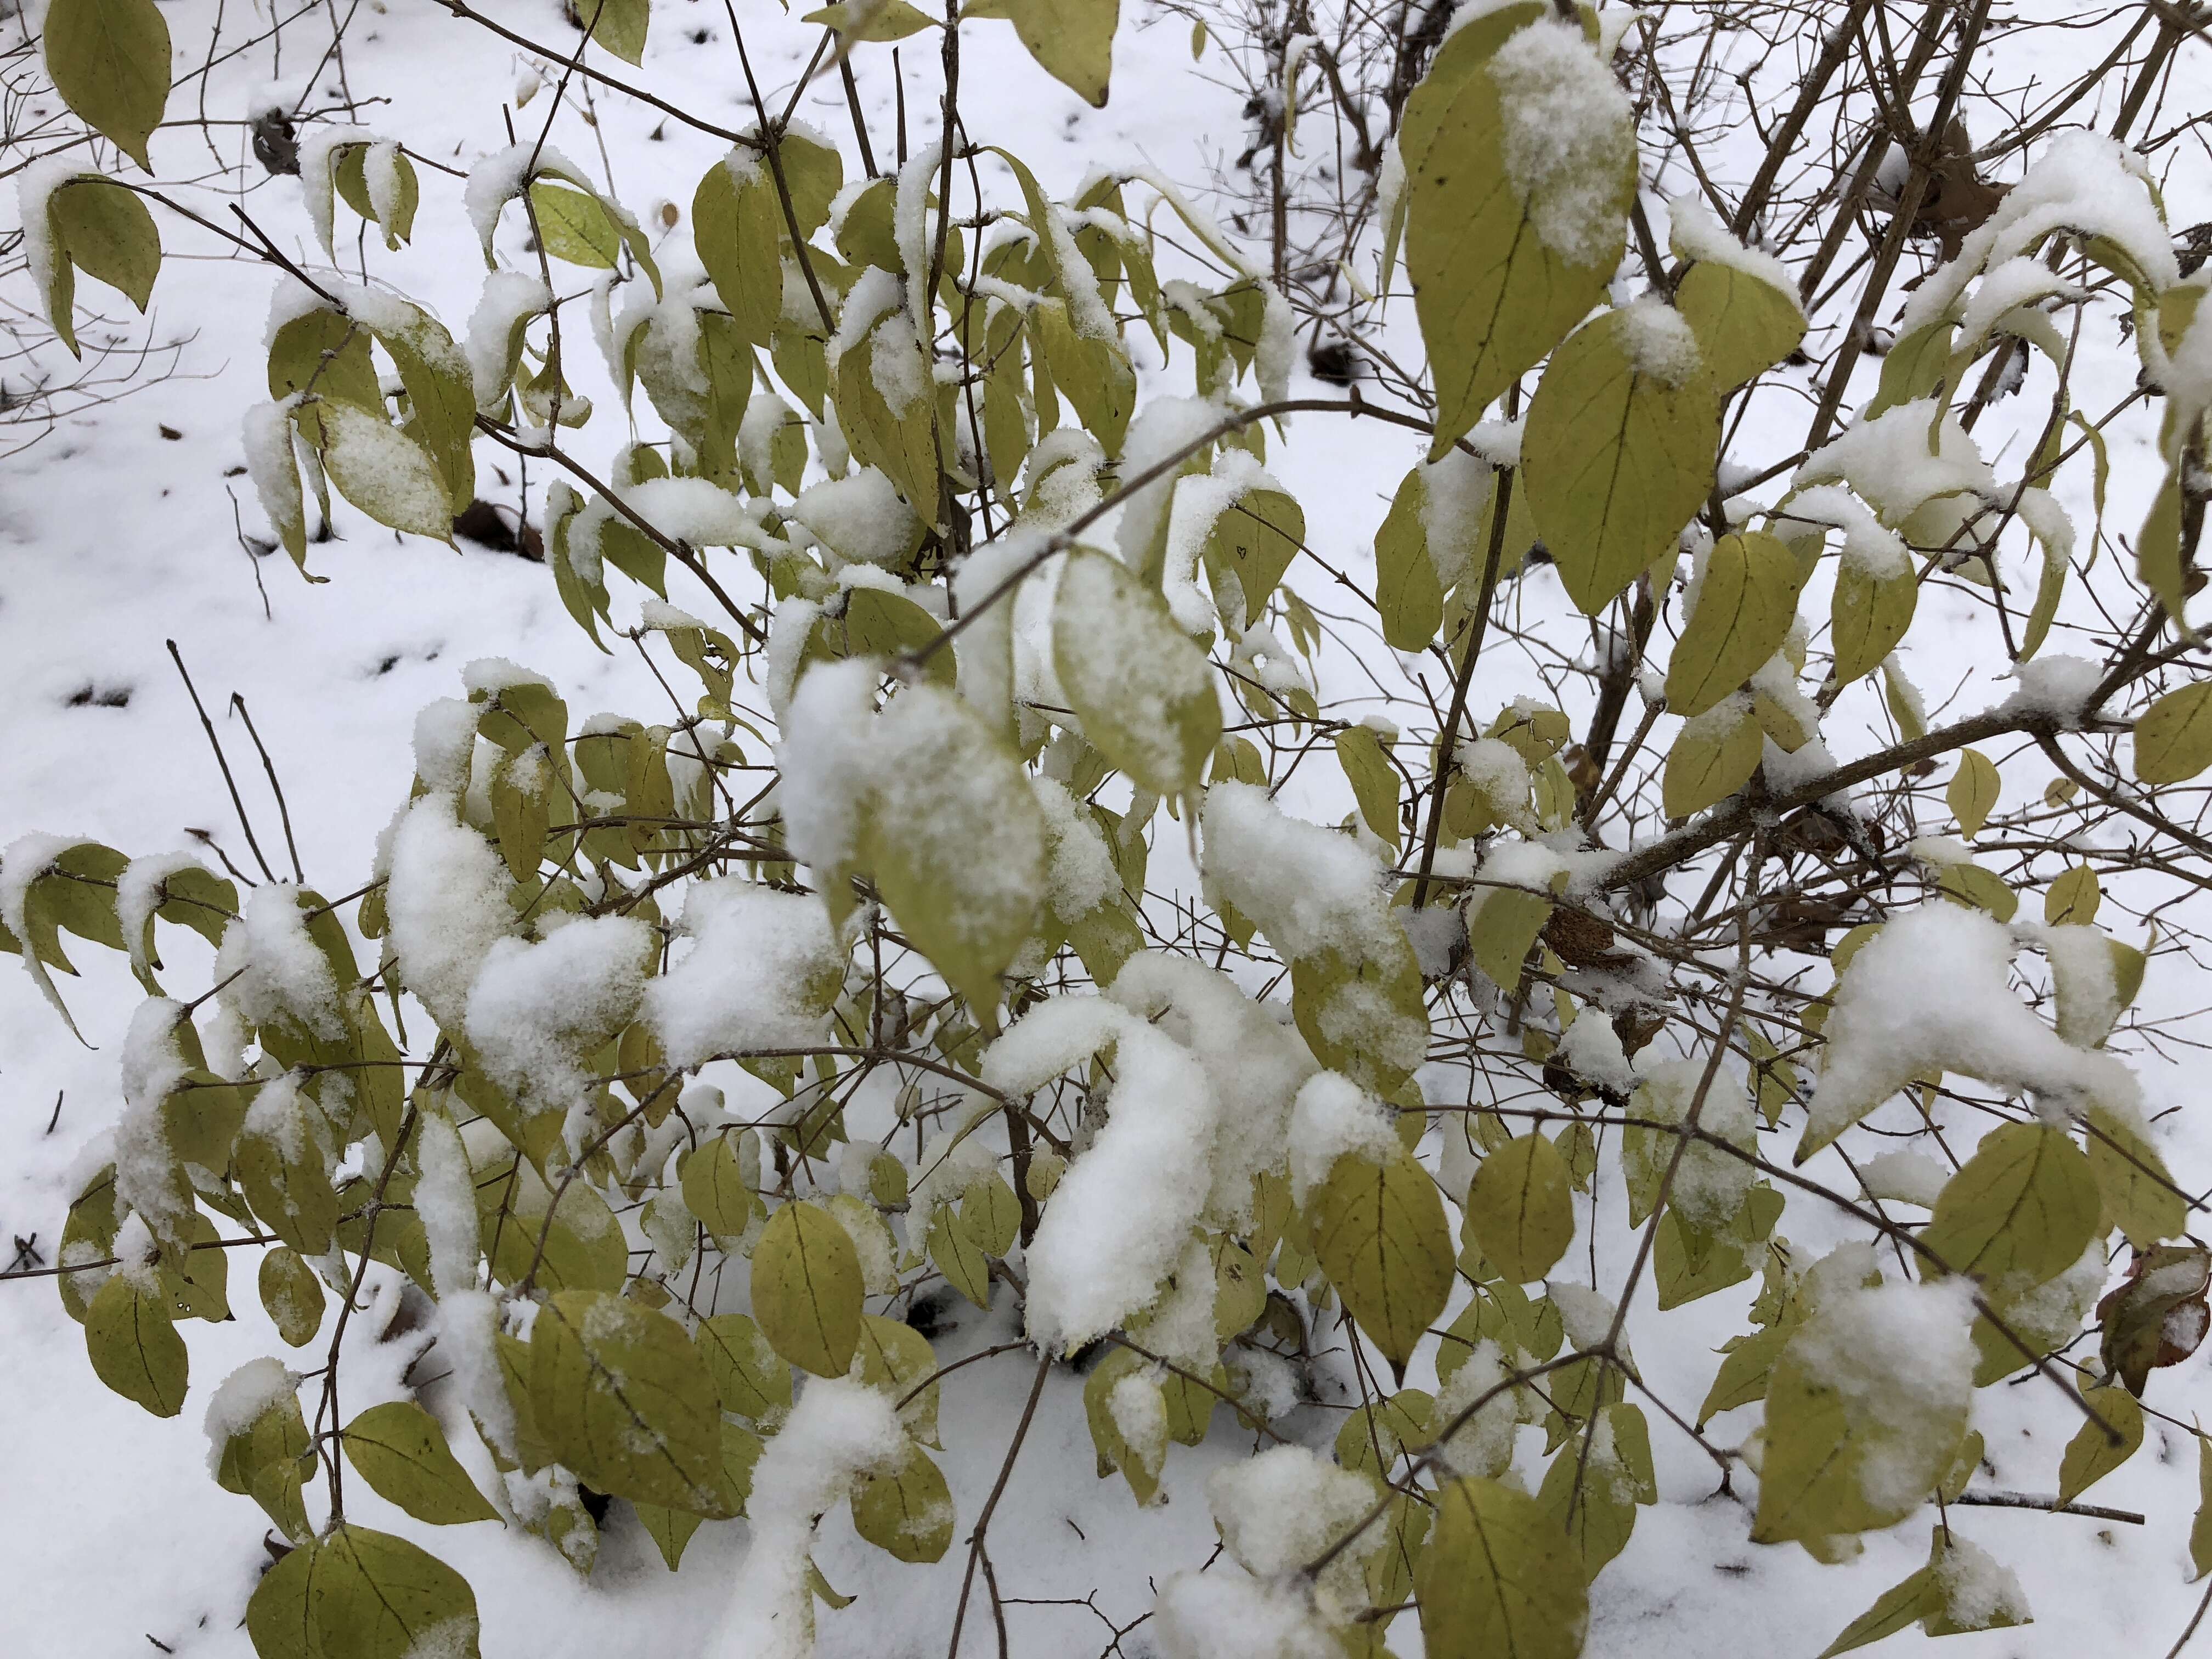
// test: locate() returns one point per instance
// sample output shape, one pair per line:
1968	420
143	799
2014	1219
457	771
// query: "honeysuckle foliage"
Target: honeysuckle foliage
679	1063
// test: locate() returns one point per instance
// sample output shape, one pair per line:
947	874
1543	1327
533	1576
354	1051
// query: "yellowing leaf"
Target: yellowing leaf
2021	1212
110	62
384	472
1744	326
1972	795
623	1397
1380	1233
1746	603
1620	449
402	1453
1073	40
1374	781
1409	595
907	1510
2139	1194
291	1295
736	224
807	1289
715	1190
107	232
620	25
2173	736
1521	1209
361	1594
2091	1455
1869	613
1712	758
572	224
135	1348
750	1379
2072	900
1498	1577
1142	689
1510	234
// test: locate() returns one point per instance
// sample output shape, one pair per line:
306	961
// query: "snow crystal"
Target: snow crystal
1115	1225
1903	1177
861	516
145	1169
534	1009
446	903
240	1399
1308	889
753	978
1569	137
837	1432
1279	1510
1869	545
273	968
1254	1061
1695	234
1930	993
1455	493
446	1201
508	297
1219	1615
1332	1118
1899	1357
468	1326
1660	344
2058	686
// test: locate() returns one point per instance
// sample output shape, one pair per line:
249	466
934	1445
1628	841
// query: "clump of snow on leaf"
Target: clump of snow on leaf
446	901
1570	138
761	966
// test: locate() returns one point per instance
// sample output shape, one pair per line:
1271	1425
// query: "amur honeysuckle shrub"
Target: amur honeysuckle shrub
681	1064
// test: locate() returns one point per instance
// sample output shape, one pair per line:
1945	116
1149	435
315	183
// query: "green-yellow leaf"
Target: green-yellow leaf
906	1510
1620	448
384	472
807	1289
2140	1196
1746	603
291	1295
1712	758
1073	40
402	1453
1374	781
1381	1235
110	62
107	232
618	25
572	225
1521	1207
2021	1212
1512	235
2091	1455
623	1397
716	1189
361	1594
1902	1604
1972	795
2173	736
871	19
1744	325
1499	1578
1868	612
749	1376
2073	899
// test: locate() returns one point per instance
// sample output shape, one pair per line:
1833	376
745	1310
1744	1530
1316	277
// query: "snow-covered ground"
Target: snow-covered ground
117	534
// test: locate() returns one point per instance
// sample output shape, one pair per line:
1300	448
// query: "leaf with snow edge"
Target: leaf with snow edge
2092	1453
807	1290
1520	1208
1119	1390
882	21
990	1214
1073	40
1744	325
1620	448
624	1397
283	1170
382	471
1365	1015
401	190
1141	689
897	1360
1713	757
109	60
2019	1211
750	1378
1973	793
2173	736
1520	160
441	395
1746	600
1903	1604
736	224
1595	1485
1380	1233
1374	781
869	353
906	1510
583	1246
291	1295
1865	1406
716	1189
1498	1577
1744	1370
1254	540
322	355
1409	595
2139	1195
1869	612
356	1594
400	1451
135	1347
1094	375
572	226
267	1456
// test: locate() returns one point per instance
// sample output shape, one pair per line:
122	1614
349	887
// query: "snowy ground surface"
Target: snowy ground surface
116	534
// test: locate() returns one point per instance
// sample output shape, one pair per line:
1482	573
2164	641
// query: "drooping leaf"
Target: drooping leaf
1972	795
907	1510
135	1347
1073	40
1746	601
2173	736
2092	1453
1142	689
1381	1237
1498	1577
402	1453
110	62
1521	1207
